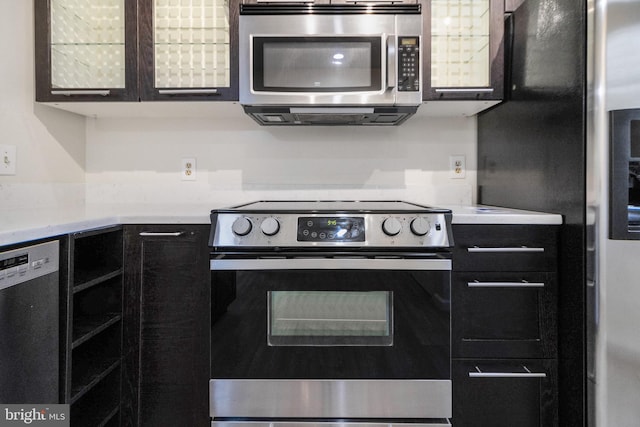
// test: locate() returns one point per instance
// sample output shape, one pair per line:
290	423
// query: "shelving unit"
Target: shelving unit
92	326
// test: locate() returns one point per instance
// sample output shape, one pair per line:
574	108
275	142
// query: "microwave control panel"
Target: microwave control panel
408	64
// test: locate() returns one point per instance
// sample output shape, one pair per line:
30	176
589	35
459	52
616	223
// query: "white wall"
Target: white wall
50	144
65	159
138	160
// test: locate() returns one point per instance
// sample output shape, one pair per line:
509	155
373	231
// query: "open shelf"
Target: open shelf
100	405
93	308
88	327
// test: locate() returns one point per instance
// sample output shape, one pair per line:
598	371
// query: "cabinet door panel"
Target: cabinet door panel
505	248
188	50
466	55
173	277
504	315
86	50
504	393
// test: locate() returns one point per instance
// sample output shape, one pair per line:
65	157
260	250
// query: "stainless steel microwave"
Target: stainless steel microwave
330	64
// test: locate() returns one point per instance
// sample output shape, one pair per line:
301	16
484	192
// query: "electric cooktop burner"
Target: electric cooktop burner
362	225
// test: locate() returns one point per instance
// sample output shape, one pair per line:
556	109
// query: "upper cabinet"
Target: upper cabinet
466	56
86	50
185	49
131	50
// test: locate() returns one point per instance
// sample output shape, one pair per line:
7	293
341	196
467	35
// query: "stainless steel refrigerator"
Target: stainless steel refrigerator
548	147
613	262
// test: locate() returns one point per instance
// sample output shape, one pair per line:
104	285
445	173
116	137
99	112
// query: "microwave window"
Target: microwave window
317	64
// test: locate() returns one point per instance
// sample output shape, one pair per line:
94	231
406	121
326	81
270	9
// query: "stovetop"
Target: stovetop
313	225
335	206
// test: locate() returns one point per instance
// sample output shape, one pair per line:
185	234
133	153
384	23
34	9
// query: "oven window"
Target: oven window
317	64
330	318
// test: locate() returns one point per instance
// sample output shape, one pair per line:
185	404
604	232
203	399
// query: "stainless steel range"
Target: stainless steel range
330	312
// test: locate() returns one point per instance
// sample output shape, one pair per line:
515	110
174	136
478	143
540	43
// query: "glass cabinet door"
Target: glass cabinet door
466	55
186	49
83	49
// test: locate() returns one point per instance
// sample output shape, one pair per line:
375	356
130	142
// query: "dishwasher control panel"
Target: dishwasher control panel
24	264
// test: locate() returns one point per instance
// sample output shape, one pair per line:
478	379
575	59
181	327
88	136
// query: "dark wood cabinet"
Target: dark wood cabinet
494	248
188	53
86	52
505	393
504	325
510	314
465	58
136	50
168	274
92	307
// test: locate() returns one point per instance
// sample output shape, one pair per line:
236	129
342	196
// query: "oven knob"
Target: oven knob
391	226
420	226
241	226
270	226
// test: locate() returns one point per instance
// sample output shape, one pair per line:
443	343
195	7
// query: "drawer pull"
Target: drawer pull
522	284
161	234
188	91
81	92
528	374
477	249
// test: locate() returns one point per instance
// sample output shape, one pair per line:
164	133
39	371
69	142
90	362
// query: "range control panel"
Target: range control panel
408	64
337	229
376	230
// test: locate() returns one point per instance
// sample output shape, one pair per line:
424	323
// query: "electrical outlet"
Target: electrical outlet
188	169
7	159
457	167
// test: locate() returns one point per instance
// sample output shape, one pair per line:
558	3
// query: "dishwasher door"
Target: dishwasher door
29	324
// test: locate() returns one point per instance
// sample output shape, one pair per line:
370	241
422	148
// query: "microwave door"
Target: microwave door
321	70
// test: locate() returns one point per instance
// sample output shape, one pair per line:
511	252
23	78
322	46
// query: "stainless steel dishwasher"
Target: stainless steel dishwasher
29	324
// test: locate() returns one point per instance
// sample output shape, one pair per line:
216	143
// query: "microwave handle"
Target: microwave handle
391	61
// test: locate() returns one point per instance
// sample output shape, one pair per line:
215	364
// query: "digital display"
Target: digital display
331	229
408	41
14	262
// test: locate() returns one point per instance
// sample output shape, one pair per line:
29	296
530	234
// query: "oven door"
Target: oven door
331	337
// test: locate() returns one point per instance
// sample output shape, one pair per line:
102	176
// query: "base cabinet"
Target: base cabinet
168	274
504	325
504	393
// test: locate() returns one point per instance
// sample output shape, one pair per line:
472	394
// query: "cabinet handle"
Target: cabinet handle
528	374
488	90
81	92
477	249
522	284
284	1
161	234
188	91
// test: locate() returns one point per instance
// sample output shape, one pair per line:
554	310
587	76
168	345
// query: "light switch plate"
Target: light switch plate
7	159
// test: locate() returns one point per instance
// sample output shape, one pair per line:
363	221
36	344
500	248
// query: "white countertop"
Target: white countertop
480	214
17	226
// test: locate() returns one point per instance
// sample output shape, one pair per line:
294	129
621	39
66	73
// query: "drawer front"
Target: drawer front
505	247
504	393
504	315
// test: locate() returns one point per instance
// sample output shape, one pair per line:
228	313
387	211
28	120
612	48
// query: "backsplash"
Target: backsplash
139	160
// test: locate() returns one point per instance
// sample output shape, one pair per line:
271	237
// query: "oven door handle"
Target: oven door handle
332	264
